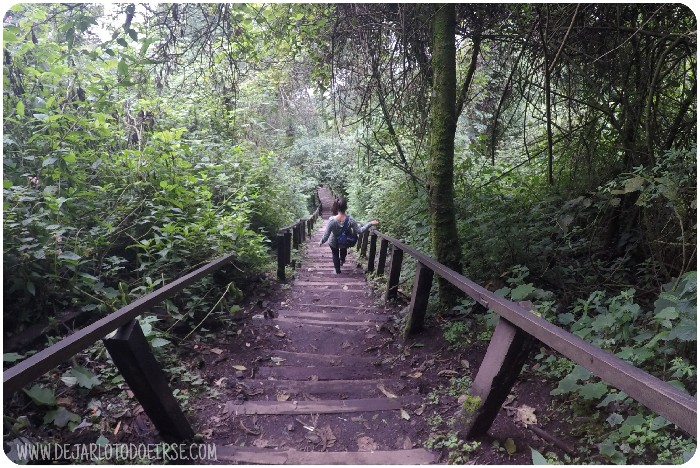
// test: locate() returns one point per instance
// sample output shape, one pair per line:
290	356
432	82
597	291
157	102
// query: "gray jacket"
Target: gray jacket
333	229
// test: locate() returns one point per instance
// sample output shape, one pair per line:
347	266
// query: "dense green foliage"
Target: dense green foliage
193	130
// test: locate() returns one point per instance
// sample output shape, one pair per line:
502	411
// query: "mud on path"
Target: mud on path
318	374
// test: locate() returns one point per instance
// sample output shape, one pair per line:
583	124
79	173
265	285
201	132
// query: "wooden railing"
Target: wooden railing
291	237
130	350
517	330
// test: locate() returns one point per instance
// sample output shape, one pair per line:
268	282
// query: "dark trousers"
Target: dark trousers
338	257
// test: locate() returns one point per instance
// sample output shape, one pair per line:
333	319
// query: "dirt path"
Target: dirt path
322	389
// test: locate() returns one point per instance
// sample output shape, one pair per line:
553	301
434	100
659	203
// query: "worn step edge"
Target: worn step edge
323	406
349	317
330	359
255	455
324	386
320	372
320	322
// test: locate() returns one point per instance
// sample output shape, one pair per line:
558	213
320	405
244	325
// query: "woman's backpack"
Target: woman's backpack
347	237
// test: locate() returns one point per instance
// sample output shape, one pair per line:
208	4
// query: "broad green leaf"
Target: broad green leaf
122	42
235	309
159	342
122	68
61	417
659	422
522	292
30	288
6	183
615	419
20	108
538	458
8	36
41	395
133	34
593	391
68	255
510	447
12	357
634	420
85	378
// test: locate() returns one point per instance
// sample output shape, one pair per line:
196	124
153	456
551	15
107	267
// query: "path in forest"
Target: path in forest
325	391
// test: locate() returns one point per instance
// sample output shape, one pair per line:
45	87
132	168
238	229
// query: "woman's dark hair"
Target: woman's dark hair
339	205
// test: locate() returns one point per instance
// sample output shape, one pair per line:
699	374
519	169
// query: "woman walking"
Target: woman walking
343	232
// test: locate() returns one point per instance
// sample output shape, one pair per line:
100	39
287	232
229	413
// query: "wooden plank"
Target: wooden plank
320	372
324	406
336	306
132	355
324	284
364	237
288	246
668	401
323	323
280	257
335	316
262	456
325	386
508	351
34	366
305	359
422	283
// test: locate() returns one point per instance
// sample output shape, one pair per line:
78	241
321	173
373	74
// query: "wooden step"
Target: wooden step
305	359
323	406
262	456
320	372
351	316
321	322
317	387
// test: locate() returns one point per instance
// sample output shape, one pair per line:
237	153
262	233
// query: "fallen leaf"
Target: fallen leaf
277	360
420	410
405	415
220	381
510	446
345	288
207	433
239	368
216	350
314	378
282	396
327	437
464	363
345	345
525	415
448	372
415	375
385	391
263	443
280	334
366	444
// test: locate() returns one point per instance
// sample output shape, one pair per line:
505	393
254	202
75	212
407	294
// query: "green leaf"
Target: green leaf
522	292
593	391
68	255
659	422
133	34
12	357
122	68
159	342
60	417
235	309
122	42
635	420
510	446
102	441
6	183
30	288
84	377
665	316
538	458
41	395
615	419
20	108
8	36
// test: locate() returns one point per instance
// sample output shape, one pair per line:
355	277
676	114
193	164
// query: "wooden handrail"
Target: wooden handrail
36	365
661	397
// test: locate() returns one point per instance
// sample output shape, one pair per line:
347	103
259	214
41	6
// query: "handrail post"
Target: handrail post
392	288
302	229
287	247
132	355
507	352
281	256
422	283
372	252
364	238
381	264
295	237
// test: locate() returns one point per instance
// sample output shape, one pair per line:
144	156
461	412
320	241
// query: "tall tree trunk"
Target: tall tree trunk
443	124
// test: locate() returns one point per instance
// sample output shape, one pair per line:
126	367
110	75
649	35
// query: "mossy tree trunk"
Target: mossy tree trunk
443	123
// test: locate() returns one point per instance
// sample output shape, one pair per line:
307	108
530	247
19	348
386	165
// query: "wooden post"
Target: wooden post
281	256
508	351
392	287
372	252
364	238
383	247
309	226
287	247
419	300
133	357
295	237
302	229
